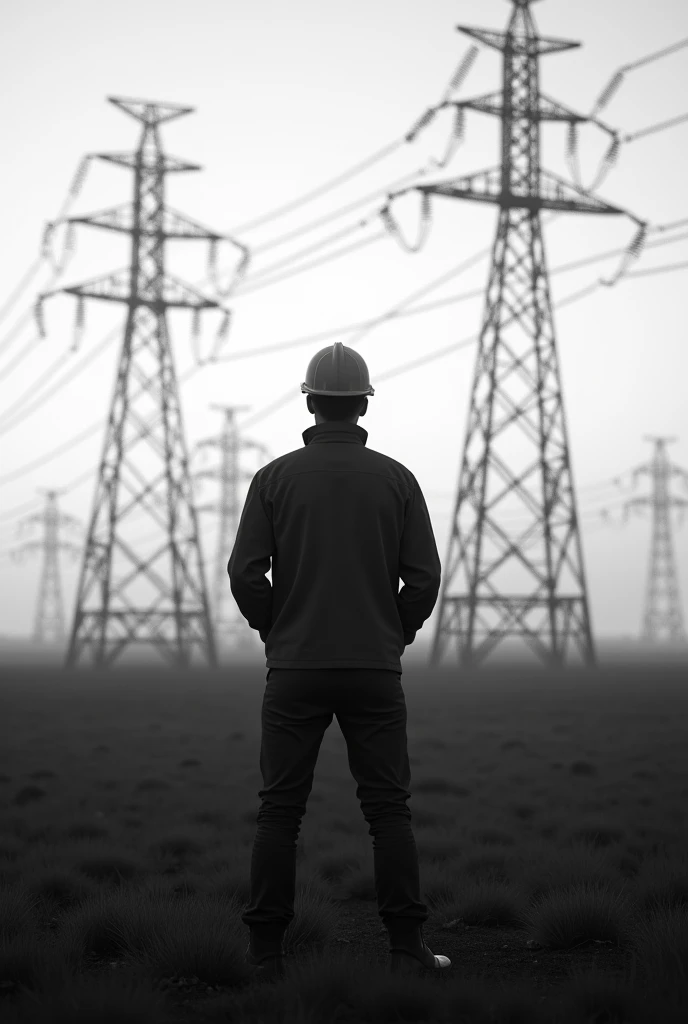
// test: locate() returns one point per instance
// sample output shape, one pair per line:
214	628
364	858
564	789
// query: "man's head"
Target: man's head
327	408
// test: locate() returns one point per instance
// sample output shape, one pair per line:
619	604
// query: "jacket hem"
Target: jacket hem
393	666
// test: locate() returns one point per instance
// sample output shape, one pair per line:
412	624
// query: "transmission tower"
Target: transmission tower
125	596
230	625
501	581
663	618
49	621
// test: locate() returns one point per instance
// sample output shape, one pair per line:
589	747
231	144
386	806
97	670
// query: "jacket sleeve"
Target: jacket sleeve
419	566
251	559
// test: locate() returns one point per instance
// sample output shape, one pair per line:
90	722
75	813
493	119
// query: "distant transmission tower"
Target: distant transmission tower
126	596
49	621
230	625
663	618
500	580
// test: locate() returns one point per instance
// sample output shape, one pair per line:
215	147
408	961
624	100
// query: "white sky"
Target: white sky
285	97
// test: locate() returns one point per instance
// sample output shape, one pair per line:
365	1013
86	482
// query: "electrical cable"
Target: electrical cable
365	326
47	456
26	279
617	78
9	338
288	396
588	260
340	211
455	81
20	357
71	373
670	225
610	157
337	254
368	326
11	513
294	204
409	179
89	431
655	56
651	129
266	271
72	193
663	268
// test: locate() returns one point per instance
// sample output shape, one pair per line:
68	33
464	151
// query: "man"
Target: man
341	524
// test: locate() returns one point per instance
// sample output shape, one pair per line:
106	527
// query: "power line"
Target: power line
89	431
20	357
9	338
362	327
344	251
26	279
340	211
72	193
314	247
662	269
455	82
339	179
67	377
617	78
656	56
47	456
651	129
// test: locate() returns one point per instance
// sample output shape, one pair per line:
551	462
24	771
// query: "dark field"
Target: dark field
548	809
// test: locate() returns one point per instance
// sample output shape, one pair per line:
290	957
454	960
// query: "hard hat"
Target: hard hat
337	371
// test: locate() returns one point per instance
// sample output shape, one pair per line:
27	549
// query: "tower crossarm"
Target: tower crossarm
35	546
174	224
165	163
30	547
553	194
216	474
678	471
158	294
546	109
635	503
256	445
521	45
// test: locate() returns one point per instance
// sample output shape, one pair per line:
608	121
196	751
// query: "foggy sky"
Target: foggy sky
287	96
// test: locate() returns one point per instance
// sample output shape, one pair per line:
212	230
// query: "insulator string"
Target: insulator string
456	137
424	229
462	70
79	323
39	317
572	156
632	253
221	336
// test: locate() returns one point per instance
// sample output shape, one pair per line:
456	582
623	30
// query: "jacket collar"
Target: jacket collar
335	430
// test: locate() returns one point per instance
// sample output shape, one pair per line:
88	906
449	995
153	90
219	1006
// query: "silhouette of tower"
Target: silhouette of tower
499	580
49	621
230	625
662	618
126	596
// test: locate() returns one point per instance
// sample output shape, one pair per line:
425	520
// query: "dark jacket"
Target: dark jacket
341	524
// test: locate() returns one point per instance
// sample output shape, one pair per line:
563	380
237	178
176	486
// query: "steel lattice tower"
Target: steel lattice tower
49	621
230	625
499	580
662	618
125	596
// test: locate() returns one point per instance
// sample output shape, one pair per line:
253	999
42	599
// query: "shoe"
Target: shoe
403	961
270	965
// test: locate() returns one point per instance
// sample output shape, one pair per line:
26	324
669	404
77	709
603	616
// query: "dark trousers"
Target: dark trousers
298	706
